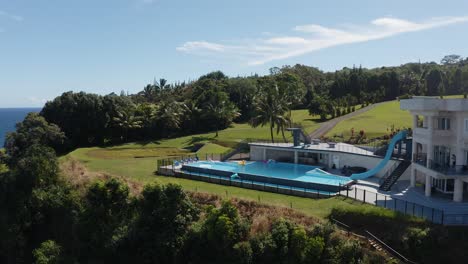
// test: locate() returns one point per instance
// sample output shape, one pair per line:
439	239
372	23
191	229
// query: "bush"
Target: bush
47	253
243	252
350	252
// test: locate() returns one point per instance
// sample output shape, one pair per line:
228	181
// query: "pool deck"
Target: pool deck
402	191
337	147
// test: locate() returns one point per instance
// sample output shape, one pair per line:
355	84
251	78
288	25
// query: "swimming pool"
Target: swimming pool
295	175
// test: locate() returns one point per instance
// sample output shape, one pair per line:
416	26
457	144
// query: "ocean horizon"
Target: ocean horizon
10	116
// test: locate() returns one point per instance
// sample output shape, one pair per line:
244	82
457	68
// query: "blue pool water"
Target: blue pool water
304	173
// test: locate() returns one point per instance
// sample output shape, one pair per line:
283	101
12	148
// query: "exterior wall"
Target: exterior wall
406	176
348	159
280	155
256	153
368	162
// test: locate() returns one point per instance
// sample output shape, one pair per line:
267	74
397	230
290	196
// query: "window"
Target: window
443	123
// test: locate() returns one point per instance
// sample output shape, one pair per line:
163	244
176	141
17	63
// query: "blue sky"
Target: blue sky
104	46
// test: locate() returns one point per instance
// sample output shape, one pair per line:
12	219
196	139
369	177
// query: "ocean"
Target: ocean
9	117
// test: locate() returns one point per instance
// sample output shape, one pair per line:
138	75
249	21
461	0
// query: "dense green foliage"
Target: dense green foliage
214	101
416	239
44	220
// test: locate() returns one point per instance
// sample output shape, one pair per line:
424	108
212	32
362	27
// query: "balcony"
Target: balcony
448	169
420	158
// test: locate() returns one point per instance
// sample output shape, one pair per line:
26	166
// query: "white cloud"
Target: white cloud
312	37
11	16
194	46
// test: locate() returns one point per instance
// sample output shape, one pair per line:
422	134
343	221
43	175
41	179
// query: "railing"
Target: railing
389	249
370	237
420	158
448	169
169	161
388	173
430	214
169	170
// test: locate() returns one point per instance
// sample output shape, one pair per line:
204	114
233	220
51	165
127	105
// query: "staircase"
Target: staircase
394	176
377	246
381	151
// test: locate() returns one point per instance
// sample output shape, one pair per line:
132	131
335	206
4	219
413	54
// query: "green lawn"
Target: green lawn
209	148
375	122
137	162
142	170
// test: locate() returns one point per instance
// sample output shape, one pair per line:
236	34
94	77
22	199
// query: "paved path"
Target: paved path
411	201
330	124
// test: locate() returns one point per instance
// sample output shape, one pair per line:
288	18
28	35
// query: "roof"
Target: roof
338	147
423	103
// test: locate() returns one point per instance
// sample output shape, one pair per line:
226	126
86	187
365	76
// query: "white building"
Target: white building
327	155
440	144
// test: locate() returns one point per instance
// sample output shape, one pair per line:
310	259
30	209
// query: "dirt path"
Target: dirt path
330	124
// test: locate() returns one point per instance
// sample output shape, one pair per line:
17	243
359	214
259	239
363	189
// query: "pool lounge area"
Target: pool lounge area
288	176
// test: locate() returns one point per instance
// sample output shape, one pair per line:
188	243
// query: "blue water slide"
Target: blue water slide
398	137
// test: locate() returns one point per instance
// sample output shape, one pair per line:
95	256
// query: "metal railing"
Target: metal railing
448	169
169	161
430	214
389	249
247	184
420	158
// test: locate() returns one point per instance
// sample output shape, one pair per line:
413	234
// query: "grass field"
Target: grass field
141	170
375	122
137	163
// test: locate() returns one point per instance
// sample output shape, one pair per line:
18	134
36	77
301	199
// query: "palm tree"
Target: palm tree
148	92
283	122
162	84
270	109
126	120
223	111
171	113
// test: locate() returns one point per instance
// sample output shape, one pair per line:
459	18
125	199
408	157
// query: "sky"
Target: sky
48	47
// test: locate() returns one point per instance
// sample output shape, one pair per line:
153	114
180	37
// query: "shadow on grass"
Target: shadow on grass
198	139
316	120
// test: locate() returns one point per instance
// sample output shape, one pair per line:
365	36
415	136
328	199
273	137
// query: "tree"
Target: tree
36	167
433	81
170	115
291	88
105	219
149	93
47	253
222	229
159	231
127	120
222	111
242	92
33	130
451	59
457	81
217	111
321	107
270	107
82	117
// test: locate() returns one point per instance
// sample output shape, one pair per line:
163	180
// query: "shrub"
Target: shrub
350	252
47	253
243	252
